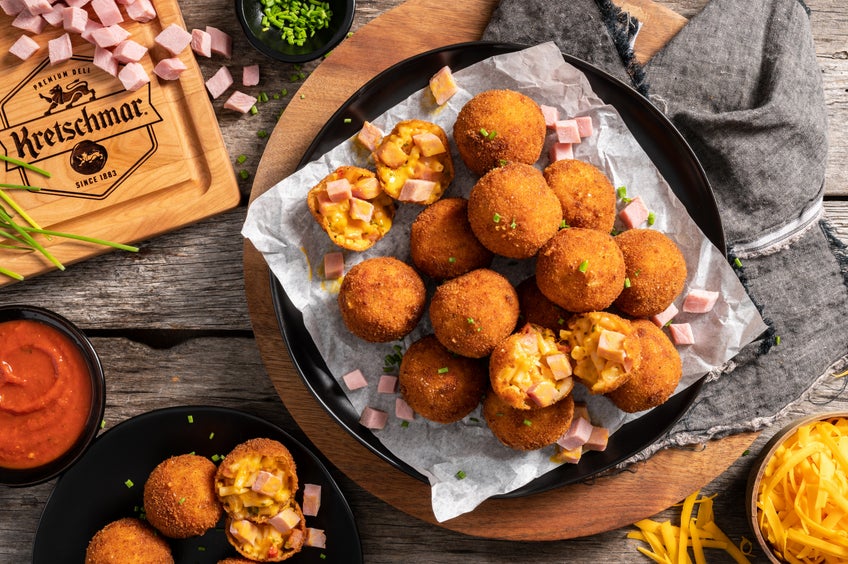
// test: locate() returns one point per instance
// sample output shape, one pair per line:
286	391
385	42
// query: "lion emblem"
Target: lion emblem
68	95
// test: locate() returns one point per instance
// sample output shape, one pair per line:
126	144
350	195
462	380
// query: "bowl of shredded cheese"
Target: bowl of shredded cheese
797	497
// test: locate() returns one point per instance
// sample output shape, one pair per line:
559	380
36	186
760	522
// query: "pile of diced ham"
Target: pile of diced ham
580	437
371	417
99	22
568	132
696	301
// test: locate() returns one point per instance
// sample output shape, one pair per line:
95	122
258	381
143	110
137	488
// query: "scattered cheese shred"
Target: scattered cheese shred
803	495
670	544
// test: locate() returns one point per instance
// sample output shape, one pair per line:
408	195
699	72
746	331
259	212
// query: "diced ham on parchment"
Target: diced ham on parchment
664	317
374	419
681	334
551	115
560	151
218	83
170	68
369	136
699	301
24	47
240	102
634	214
333	265
577	435
355	380
311	500
584	126
403	410
387	384
567	131
443	85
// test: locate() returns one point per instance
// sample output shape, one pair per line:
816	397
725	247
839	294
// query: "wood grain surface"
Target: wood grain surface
545	516
124	166
172	326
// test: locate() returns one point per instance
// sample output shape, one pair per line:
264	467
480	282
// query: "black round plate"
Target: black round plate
658	138
94	492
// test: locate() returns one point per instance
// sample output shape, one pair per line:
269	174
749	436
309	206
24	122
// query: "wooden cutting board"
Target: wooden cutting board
125	166
567	512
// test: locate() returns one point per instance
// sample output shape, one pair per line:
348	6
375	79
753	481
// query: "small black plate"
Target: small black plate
655	134
93	493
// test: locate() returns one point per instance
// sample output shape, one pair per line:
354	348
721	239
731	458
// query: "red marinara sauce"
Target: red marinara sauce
45	393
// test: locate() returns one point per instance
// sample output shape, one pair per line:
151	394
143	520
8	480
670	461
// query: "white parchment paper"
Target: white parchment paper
280	226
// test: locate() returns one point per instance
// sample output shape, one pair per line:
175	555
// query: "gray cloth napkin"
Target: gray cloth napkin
742	85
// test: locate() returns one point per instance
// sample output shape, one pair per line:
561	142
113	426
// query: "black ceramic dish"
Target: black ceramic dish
32	476
658	138
94	492
270	42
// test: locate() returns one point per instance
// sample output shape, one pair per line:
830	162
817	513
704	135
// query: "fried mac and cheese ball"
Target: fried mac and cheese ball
381	299
442	244
474	312
128	541
439	385
585	193
605	350
351	207
512	211
529	369
655	270
580	270
414	162
657	375
496	127
527	429
179	496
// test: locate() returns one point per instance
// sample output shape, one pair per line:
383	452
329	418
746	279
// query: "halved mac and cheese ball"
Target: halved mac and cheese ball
414	162
605	350
351	207
529	369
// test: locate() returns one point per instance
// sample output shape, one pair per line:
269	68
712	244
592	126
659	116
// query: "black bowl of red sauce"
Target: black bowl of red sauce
52	394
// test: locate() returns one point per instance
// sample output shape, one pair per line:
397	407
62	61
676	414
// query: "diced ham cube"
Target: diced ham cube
24	47
403	411
333	265
243	530
133	76
584	126
266	483
12	7
388	384
285	520
429	144
90	27
366	188
581	410
664	317
222	44
29	22
560	151
104	60
325	206
567	131
141	11
201	43
391	154
37	7
699	301
569	456
681	334
598	439
416	190
74	19
60	49
634	214
543	393
355	380
170	68
551	115
369	136
611	346
361	209
219	82
107	12
129	51
173	38
577	435
427	168
109	36
339	190
559	365
373	419
316	538
240	102
311	500
55	16
250	75
77	3
443	85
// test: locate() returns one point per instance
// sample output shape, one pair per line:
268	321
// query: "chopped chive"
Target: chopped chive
513	225
777	339
303	96
262	134
652	218
626	282
737	263
243	174
322	556
347	120
129	483
584	266
284	92
483	132
211	435
560	321
496	218
502	162
190	418
621	192
215	457
528	422
182	500
102	423
262	97
460	475
275	96
470	320
746	452
473	419
241	159
443	370
254	110
201	548
404	424
563	224
451	260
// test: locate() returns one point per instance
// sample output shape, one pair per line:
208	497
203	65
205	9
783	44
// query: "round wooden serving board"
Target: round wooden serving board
567	512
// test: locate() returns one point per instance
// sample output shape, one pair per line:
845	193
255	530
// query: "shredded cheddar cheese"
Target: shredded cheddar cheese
670	544
803	495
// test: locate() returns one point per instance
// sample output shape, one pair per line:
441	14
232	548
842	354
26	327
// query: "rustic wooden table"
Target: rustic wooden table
172	326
